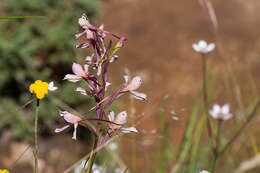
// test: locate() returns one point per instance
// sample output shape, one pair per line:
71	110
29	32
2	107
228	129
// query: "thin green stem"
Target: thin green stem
36	148
205	95
216	150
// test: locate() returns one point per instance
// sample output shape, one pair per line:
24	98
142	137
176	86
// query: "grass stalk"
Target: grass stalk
205	95
36	147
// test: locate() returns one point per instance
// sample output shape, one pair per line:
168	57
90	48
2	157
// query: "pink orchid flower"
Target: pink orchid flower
79	73
121	119
134	85
70	118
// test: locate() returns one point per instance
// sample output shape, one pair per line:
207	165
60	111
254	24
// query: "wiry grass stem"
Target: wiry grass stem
205	95
36	147
216	150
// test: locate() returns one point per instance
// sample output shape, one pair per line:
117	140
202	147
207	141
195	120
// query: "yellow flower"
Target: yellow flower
39	88
4	171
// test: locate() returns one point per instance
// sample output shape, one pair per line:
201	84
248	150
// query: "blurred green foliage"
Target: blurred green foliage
42	49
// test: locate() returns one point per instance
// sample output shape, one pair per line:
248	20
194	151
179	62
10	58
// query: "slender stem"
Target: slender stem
205	95
216	150
241	129
35	137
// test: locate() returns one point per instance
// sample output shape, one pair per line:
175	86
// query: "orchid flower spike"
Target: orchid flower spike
121	119
134	85
78	71
220	113
70	118
40	89
204	171
203	47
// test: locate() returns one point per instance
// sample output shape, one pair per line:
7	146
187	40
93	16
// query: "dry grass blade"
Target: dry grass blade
248	164
208	7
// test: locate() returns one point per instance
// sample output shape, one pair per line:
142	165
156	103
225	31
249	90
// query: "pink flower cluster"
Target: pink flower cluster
95	73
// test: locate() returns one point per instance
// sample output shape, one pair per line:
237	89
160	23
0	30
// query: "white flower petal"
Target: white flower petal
51	86
225	109
210	47
138	95
129	130
107	85
202	44
72	78
126	77
81	91
204	171
111	116
196	47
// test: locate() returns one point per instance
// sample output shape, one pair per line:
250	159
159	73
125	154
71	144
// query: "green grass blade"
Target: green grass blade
187	141
20	17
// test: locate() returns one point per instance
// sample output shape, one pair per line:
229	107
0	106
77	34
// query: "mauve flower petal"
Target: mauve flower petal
70	118
75	131
78	70
134	84
121	118
58	130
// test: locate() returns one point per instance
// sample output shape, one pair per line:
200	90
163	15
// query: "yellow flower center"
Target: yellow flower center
4	171
39	88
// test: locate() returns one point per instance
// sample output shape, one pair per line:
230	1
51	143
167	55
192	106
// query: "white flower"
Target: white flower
121	119
203	47
220	113
204	171
51	86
